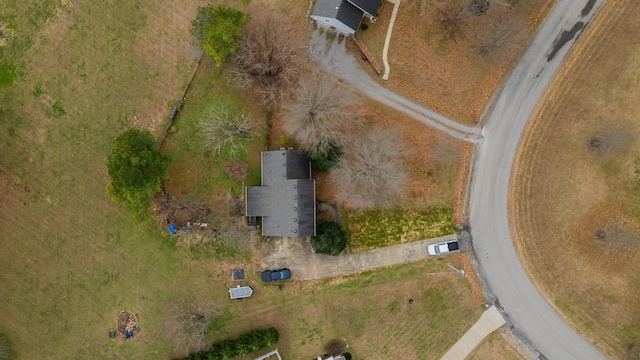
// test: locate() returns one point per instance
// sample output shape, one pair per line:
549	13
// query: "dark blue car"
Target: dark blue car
275	275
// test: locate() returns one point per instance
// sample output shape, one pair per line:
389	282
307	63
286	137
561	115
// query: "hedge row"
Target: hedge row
245	344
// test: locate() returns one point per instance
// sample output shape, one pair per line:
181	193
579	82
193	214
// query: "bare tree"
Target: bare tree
371	173
478	7
451	17
187	321
610	141
220	128
336	347
5	349
267	55
502	31
320	111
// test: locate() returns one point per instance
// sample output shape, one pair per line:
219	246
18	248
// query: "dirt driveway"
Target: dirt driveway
295	254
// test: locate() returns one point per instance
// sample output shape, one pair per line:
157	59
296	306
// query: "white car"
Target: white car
442	248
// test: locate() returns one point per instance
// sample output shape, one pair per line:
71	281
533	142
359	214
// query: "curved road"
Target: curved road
505	278
499	265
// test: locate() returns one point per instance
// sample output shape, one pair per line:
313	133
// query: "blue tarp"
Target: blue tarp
172	228
128	334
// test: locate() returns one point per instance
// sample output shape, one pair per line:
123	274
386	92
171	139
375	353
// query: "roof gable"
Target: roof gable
368	6
344	11
349	15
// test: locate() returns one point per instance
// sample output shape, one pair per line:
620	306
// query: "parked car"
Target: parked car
275	275
442	248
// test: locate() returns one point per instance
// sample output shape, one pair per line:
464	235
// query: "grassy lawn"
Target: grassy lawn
373	229
369	310
73	76
197	171
72	259
437	168
494	347
577	193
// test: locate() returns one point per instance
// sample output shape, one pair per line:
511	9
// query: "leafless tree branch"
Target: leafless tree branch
5	350
371	173
451	18
267	55
321	110
221	128
187	321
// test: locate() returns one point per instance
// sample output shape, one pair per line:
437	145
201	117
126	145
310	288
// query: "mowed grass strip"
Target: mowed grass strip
370	310
373	229
577	192
71	258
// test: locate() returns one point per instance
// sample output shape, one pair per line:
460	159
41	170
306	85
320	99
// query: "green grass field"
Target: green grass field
76	74
72	259
196	170
373	229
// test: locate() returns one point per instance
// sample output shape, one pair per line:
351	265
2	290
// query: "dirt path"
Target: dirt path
333	56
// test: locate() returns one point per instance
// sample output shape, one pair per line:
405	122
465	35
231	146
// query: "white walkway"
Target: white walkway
387	40
488	322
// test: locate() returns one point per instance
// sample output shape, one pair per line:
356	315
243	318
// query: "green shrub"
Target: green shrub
325	154
331	239
136	169
216	29
285	141
246	343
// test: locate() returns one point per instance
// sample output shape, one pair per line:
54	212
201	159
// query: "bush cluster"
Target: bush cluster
245	344
331	239
325	154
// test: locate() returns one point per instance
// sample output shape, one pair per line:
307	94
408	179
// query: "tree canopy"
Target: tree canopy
216	29
371	174
325	154
136	168
331	239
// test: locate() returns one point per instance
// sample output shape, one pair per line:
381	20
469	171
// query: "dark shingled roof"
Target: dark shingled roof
286	199
368	6
349	15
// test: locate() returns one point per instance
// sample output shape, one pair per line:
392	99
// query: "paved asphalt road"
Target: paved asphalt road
499	265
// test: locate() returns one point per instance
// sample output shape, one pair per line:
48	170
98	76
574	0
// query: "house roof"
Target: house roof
368	6
286	199
341	10
349	15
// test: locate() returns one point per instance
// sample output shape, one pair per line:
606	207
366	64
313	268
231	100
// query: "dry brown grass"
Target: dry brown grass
437	163
566	192
452	78
494	347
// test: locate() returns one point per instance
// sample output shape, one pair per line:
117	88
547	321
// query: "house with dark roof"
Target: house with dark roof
286	199
344	15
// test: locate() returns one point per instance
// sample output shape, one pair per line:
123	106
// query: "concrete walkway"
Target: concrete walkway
295	254
488	322
387	40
